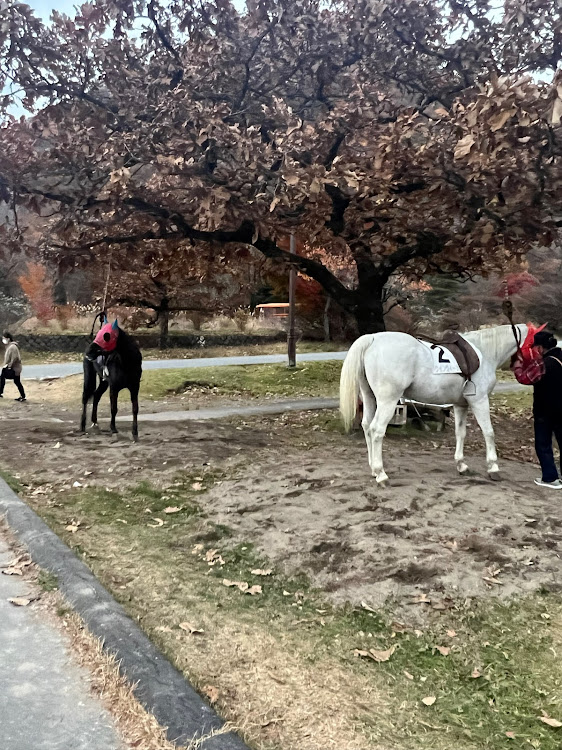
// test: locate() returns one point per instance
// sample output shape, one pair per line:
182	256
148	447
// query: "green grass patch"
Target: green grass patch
308	379
13	482
47	581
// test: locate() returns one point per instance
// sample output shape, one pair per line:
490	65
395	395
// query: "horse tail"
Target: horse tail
349	380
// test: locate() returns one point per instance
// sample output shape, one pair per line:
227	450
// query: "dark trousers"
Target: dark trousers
545	429
8	374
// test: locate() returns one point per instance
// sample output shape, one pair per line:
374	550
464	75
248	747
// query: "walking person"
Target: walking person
12	366
544	373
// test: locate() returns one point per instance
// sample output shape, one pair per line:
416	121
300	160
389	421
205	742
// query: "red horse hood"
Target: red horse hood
528	343
107	337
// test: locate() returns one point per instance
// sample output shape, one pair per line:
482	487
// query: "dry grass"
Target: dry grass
137	727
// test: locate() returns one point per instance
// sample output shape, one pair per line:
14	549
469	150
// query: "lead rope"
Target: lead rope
507	309
102	315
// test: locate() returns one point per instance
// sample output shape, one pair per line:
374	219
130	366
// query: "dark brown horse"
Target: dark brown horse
118	369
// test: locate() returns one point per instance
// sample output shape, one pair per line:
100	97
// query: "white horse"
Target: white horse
384	367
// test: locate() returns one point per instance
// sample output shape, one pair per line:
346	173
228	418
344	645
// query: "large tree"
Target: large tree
410	136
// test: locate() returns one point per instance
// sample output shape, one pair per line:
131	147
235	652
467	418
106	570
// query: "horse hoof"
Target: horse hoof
135	438
495	476
95	427
115	437
462	468
382	479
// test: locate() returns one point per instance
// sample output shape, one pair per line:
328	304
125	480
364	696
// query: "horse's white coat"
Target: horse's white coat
384	367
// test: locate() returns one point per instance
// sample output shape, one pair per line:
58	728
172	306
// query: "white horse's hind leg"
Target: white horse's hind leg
481	410
461	413
369	409
383	415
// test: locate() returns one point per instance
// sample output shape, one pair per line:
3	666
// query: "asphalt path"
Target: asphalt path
64	369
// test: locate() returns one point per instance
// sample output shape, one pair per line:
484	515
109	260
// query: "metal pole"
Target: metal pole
291	340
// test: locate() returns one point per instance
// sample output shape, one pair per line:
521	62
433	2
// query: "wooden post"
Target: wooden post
291	340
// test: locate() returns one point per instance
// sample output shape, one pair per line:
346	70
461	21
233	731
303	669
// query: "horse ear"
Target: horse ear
115	325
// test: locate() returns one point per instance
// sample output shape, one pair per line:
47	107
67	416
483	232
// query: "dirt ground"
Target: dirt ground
304	495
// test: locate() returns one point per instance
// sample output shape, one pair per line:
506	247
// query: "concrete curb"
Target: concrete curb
159	686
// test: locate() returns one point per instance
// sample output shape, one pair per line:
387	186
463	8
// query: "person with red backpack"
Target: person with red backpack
543	370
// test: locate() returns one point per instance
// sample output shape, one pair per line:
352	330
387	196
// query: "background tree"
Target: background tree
398	136
37	286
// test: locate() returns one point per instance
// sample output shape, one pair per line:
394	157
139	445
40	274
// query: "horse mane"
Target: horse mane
491	341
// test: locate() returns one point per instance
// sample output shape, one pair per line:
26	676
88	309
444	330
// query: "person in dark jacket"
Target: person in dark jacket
12	366
545	374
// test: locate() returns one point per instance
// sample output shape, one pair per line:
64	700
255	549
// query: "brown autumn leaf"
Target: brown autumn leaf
196	486
429	700
242	585
443	650
20	601
12	572
452	633
551	722
189	628
72	527
211	692
375	654
157	525
510	735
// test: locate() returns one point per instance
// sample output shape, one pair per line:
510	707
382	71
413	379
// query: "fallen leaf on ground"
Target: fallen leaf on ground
451	633
196	486
429	700
375	655
77	484
172	510
72	527
259	572
366	607
492	580
253	590
408	675
443	650
242	585
19	601
421	599
476	673
159	522
510	735
189	628
551	722
163	629
211	692
12	572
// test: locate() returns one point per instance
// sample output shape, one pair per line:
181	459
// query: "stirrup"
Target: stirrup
468	384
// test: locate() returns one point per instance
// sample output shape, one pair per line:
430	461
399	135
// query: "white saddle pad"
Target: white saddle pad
443	361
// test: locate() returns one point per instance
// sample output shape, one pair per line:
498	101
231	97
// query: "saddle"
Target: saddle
462	351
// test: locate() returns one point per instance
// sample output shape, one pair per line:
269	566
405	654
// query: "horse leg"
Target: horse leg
384	413
88	390
113	396
101	389
461	414
135	405
369	410
481	410
83	417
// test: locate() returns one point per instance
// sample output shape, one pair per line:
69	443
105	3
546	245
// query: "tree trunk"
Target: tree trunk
327	336
164	320
369	313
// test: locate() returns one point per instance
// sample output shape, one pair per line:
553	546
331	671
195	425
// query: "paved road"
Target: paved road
45	700
64	369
